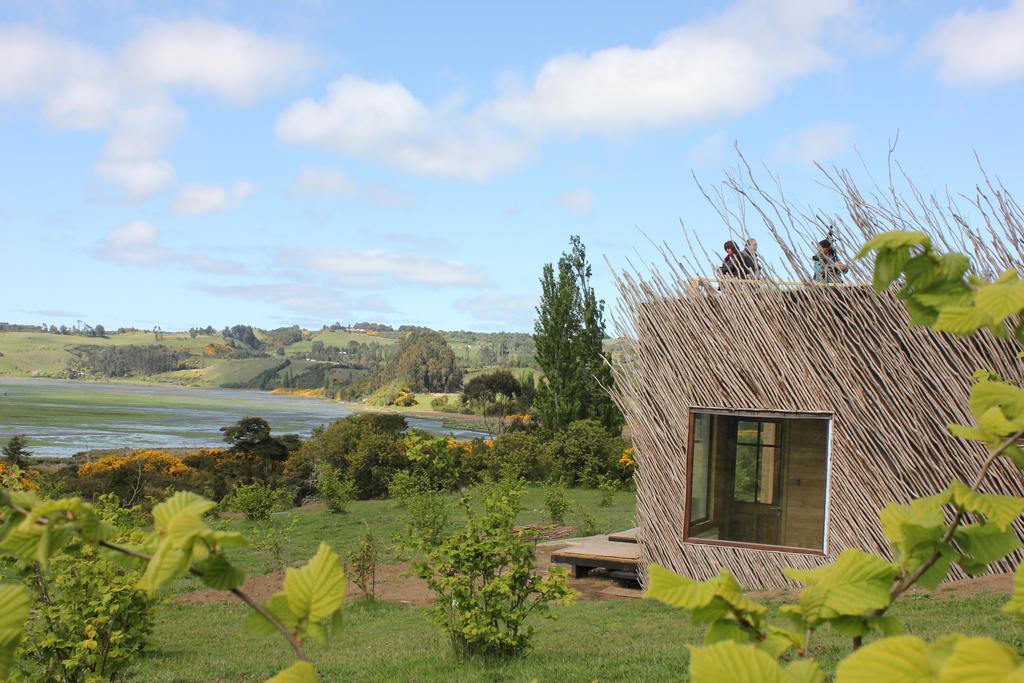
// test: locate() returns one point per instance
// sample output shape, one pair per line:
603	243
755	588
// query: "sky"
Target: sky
212	163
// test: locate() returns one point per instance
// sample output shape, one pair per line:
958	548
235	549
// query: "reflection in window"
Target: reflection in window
758	480
700	475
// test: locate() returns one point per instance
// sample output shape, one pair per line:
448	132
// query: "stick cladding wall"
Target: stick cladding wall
841	350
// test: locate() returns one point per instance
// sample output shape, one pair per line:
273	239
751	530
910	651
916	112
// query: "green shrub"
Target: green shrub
427	512
375	460
90	622
335	492
484	581
439	403
362	565
516	450
256	501
582	453
607	487
436	460
556	501
272	540
587	522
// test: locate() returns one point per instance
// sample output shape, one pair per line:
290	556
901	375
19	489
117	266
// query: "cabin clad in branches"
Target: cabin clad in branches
774	418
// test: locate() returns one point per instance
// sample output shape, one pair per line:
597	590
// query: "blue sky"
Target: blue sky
418	163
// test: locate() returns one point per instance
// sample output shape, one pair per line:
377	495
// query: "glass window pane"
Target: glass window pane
766	484
746	432
745	482
701	468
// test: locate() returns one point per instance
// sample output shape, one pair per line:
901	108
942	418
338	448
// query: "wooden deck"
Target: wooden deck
627	536
620	558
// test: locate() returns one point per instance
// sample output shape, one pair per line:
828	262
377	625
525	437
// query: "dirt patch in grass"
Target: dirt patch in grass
395	584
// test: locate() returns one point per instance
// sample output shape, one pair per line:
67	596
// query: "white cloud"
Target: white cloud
385	121
579	202
816	144
377	268
214	266
980	47
719	67
495	307
128	90
303	298
322	182
136	243
215	57
196	199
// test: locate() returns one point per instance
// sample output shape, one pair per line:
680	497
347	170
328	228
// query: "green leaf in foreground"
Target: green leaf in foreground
316	590
728	662
14	609
220	574
299	672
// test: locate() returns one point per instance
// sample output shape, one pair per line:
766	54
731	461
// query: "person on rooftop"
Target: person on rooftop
734	264
752	260
827	267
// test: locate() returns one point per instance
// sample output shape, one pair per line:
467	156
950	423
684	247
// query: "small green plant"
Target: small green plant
362	565
607	487
38	531
272	539
587	523
335	491
90	622
556	501
484	581
256	501
427	518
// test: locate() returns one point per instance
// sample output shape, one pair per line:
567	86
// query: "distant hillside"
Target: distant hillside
245	357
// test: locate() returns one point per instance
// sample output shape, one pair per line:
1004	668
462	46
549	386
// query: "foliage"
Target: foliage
252	435
89	622
272	539
335	492
556	501
960	525
256	500
16	452
124	361
436	460
362	565
496	394
608	488
367	448
427	512
516	450
37	530
131	477
484	580
583	453
424	362
569	333
587	522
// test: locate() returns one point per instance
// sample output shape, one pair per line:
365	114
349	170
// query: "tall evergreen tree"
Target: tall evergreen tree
568	336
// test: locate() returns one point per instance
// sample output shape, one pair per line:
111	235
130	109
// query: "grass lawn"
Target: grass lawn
590	641
385	518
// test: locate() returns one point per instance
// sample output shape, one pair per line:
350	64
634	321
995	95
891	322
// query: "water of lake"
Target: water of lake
62	417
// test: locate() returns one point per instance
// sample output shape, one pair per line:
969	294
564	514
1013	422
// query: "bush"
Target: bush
256	501
439	403
607	487
583	452
89	623
484	580
436	460
556	501
427	511
374	462
587	522
362	565
518	451
335	492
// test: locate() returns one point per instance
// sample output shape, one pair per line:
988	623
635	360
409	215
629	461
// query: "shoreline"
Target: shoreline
456	421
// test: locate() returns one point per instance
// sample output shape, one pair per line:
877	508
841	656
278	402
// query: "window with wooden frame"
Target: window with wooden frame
757	479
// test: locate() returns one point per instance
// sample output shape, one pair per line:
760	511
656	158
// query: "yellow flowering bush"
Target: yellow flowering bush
626	460
149	461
